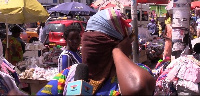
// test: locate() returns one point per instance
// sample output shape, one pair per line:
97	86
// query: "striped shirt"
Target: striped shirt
68	58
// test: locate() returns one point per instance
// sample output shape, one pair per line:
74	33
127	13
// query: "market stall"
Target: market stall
151	46
35	71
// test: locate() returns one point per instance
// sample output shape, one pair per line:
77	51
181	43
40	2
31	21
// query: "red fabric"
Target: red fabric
94	6
153	1
195	4
142	1
108	6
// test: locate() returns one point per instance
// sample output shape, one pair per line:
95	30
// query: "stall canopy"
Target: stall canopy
73	8
106	3
153	1
195	4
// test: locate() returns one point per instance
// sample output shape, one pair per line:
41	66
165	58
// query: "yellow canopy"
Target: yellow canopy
22	11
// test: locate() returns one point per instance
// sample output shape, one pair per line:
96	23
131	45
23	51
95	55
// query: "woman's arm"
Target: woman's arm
133	80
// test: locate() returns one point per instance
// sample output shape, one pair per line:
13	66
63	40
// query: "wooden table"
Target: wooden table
34	85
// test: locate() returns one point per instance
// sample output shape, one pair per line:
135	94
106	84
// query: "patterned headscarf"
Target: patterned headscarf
110	22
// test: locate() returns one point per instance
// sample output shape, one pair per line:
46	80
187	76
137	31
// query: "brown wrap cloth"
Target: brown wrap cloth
97	54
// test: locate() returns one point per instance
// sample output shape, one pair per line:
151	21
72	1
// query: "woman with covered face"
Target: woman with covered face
105	49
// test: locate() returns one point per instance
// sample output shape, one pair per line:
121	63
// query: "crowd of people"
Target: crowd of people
105	49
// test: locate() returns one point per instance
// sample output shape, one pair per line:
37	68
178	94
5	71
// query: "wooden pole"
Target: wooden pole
135	46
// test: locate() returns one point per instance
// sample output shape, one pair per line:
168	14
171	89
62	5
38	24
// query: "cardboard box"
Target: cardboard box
79	87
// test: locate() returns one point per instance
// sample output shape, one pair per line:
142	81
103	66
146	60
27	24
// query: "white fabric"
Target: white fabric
41	34
198	22
70	77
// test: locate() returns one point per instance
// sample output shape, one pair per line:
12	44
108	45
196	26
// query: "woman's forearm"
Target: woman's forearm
133	80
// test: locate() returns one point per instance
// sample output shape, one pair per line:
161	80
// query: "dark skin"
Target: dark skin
133	80
73	41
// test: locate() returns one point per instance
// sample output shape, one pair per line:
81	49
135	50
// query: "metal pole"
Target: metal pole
180	26
135	46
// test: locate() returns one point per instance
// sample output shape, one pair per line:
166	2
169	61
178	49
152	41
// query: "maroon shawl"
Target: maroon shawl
97	54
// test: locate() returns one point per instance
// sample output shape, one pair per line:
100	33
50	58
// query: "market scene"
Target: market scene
100	47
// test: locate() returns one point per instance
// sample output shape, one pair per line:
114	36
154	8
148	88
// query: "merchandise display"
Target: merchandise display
178	77
153	47
39	73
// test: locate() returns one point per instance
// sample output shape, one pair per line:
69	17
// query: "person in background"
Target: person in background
168	36
42	35
71	54
105	49
14	52
152	27
38	28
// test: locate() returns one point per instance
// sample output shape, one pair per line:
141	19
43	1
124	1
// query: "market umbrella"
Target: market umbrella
73	8
21	11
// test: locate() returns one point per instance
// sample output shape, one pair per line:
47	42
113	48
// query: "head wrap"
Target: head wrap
110	22
105	30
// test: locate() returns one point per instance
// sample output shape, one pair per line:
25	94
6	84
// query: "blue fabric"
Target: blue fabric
53	90
67	58
108	87
65	61
101	22
152	27
15	76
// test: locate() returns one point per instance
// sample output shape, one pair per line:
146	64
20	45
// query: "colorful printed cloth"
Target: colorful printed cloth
18	54
68	58
56	86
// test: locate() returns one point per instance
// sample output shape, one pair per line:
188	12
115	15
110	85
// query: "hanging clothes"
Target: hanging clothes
183	72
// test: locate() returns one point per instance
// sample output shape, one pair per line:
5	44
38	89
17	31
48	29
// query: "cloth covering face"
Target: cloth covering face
97	54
